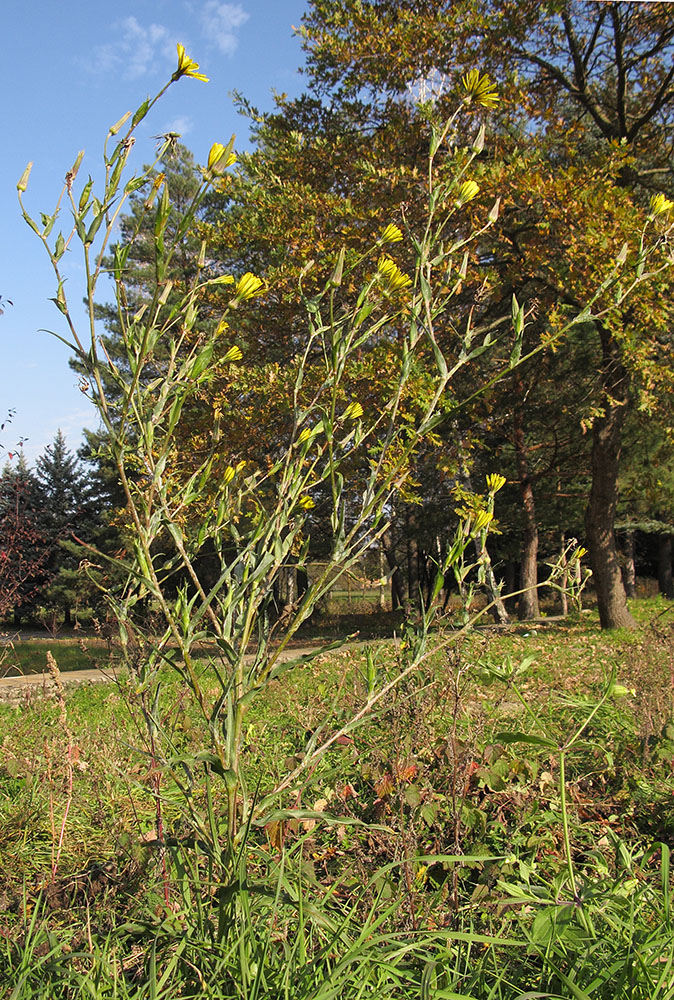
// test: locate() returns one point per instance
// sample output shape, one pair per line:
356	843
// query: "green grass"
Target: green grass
29	656
369	904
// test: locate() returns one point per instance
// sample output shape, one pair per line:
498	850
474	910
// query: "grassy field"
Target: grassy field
489	832
28	656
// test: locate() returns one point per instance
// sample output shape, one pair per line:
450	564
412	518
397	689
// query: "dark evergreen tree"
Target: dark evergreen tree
67	513
24	542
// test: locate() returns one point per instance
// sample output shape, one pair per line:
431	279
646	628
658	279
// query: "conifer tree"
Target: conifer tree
66	513
24	543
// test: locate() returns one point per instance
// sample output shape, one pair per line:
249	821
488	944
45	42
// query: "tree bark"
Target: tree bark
528	606
603	501
629	569
382	577
413	592
397	588
665	578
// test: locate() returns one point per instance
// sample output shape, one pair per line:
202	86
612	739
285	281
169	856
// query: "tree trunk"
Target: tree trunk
629	569
603	502
665	578
510	578
382	577
397	588
528	606
413	592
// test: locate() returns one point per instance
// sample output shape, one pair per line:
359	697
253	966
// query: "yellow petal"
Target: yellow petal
391	235
392	276
187	66
495	482
217	160
353	411
659	204
479	89
248	286
467	191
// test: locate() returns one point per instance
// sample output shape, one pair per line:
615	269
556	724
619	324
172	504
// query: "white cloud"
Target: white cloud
220	21
134	49
182	125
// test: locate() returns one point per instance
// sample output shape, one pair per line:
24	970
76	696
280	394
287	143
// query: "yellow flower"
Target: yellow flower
660	205
217	161
391	275
391	235
304	435
187	67
421	875
479	89
233	354
306	503
481	520
353	411
247	287
228	475
495	482
467	191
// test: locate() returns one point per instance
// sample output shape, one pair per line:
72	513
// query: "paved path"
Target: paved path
15	688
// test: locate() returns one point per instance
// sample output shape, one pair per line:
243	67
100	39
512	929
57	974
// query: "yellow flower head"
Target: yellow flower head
479	89
391	275
306	503
304	435
247	287
495	482
481	520
659	205
217	160
391	235
421	875
467	191
353	411
187	67
228	475
233	354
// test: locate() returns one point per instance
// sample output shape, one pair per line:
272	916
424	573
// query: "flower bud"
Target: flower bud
23	181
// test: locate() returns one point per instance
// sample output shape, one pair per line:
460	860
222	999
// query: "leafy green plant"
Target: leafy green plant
603	929
250	523
208	535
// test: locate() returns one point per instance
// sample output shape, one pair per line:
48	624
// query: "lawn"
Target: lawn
28	656
472	838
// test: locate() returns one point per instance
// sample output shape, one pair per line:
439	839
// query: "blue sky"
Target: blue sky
68	72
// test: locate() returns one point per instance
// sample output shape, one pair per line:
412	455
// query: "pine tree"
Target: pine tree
67	512
24	543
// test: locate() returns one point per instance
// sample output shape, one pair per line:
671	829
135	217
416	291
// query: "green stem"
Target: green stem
565	822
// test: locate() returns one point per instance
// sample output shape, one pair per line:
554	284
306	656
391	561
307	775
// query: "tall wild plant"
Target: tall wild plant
214	628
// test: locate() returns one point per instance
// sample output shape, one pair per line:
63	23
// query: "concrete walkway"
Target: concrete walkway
15	688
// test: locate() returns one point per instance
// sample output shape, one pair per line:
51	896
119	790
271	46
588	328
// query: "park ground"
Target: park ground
461	761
